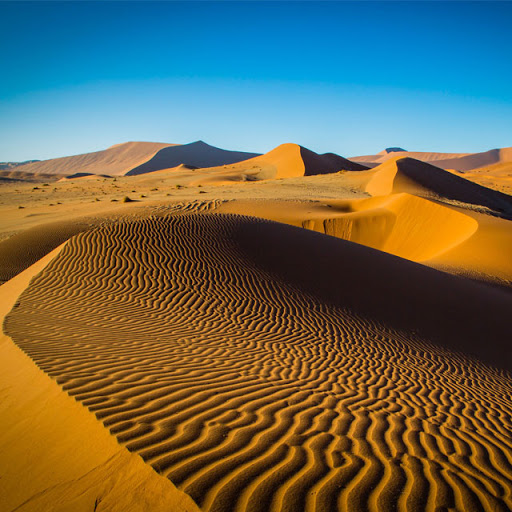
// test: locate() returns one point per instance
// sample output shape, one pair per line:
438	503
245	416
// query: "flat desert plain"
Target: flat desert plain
188	328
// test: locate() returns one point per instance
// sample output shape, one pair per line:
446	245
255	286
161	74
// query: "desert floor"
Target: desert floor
331	342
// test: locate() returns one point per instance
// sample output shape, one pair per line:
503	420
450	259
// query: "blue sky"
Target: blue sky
346	77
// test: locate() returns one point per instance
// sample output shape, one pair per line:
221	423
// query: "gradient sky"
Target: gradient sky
347	77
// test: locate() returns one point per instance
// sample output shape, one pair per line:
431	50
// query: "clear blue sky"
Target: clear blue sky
346	77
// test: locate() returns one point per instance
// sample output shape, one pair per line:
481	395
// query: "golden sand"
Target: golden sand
255	365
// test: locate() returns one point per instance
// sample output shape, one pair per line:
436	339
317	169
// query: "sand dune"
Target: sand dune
399	224
477	160
116	160
453	239
285	161
424	156
55	454
420	178
264	367
196	154
455	161
24	249
292	160
84	176
496	176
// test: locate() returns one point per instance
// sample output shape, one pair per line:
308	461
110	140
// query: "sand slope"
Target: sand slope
265	367
285	161
292	160
116	160
196	154
424	156
453	239
477	160
55	455
455	161
415	177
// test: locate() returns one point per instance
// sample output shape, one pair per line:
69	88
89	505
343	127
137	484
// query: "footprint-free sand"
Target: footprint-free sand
333	342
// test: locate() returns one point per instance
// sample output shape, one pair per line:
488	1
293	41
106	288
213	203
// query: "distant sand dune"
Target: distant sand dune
116	160
420	178
196	154
456	161
285	161
292	160
264	367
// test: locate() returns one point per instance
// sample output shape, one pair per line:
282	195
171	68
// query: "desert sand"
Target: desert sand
291	332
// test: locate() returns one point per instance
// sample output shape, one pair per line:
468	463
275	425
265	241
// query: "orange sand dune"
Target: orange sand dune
196	154
292	160
264	367
496	176
115	161
484	255
285	161
420	178
449	238
55	455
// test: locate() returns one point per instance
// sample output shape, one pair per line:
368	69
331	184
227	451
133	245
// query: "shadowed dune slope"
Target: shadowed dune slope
196	154
23	249
459	241
420	178
116	160
265	367
55	455
402	224
497	176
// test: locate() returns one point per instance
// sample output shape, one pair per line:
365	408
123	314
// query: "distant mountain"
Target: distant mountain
197	154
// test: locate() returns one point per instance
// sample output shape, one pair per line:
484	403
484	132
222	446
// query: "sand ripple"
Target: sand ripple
252	394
